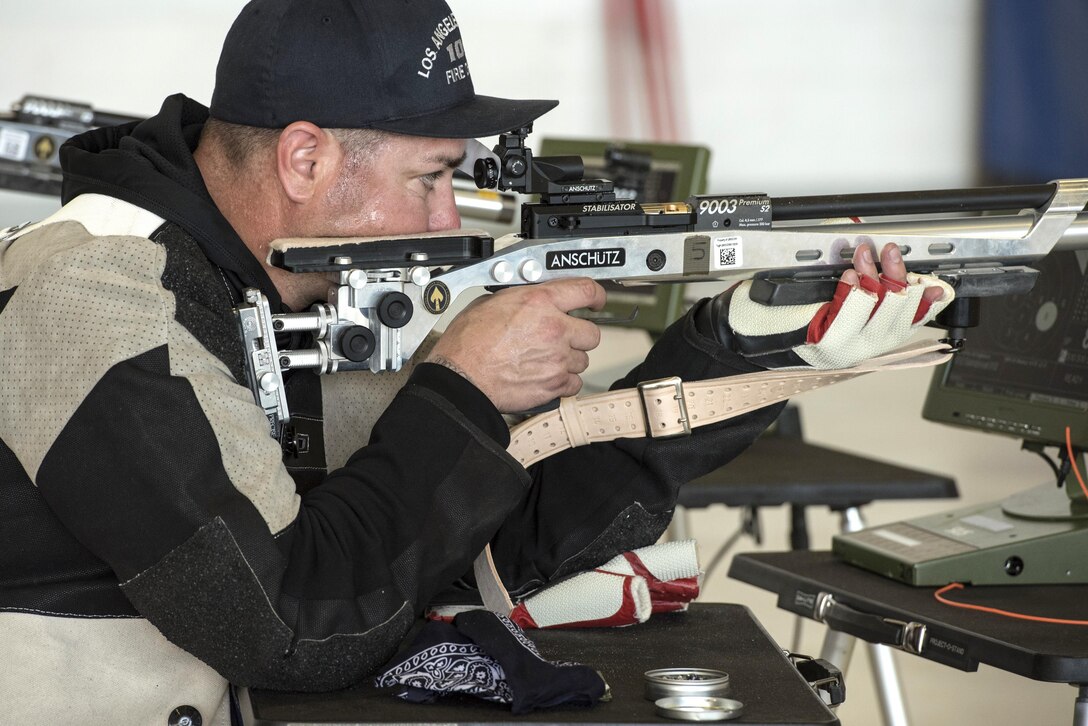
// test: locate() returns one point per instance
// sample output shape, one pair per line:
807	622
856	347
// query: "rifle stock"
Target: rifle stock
387	294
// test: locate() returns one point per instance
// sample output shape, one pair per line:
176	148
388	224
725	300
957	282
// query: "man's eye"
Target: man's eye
429	180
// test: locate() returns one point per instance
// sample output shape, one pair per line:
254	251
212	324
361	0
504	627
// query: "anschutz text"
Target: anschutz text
577	259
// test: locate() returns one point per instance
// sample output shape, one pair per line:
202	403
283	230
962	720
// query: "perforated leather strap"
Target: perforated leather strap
668	408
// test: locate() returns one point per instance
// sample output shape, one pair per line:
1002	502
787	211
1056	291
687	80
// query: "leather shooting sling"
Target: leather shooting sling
667	408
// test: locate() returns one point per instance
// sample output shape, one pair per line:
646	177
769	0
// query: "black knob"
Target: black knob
357	343
184	716
655	260
1014	566
515	166
486	173
395	310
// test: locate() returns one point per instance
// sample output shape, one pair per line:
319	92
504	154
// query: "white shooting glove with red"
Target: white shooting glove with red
592	599
623	591
860	322
670	569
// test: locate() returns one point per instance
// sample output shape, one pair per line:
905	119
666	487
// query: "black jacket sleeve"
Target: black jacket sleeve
590	503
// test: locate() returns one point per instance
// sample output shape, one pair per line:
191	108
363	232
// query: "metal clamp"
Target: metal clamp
9	232
907	635
263	369
913	636
824	678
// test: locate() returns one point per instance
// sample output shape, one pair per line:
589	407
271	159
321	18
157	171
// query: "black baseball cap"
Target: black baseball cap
393	65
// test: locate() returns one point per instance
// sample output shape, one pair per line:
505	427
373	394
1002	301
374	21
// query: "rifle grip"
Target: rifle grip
776	291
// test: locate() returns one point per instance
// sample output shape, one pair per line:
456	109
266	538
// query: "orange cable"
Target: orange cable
1073	461
996	611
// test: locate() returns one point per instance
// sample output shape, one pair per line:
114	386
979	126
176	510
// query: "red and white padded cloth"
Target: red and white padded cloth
625	590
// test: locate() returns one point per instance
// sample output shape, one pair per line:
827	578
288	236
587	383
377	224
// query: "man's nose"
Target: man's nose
444	215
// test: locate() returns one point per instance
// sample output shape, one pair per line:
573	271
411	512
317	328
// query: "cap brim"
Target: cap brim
481	116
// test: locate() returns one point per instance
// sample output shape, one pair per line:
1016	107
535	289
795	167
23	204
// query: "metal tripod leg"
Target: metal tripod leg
838	647
1080	708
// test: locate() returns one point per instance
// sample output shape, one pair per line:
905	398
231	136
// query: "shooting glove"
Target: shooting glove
858	323
627	589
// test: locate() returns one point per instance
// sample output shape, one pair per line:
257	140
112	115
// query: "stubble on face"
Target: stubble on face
381	191
394	188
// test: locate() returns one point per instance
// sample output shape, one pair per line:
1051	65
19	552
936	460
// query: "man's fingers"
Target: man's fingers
864	261
579	361
584	335
932	294
891	263
570	387
520	346
892	272
575	292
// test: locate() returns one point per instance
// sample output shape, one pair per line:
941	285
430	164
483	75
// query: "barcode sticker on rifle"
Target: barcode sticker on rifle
13	144
727	253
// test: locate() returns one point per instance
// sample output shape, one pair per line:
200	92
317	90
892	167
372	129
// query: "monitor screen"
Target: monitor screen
1024	370
641	172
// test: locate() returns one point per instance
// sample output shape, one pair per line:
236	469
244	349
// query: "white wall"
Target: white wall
793	97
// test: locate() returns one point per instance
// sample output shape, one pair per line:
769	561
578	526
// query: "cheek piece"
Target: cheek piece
858	323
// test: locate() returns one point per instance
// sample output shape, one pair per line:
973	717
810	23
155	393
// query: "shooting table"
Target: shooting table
784	469
873	605
779	470
723	637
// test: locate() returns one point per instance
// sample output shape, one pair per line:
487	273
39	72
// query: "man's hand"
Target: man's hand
519	346
871	313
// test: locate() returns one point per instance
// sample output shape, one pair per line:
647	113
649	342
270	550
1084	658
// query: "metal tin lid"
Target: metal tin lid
666	682
699	708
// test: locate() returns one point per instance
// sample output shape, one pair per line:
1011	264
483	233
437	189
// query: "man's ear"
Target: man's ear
306	157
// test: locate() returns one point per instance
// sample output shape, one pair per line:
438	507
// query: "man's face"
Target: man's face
404	186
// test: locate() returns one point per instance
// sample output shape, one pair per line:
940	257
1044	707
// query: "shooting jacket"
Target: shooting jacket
157	544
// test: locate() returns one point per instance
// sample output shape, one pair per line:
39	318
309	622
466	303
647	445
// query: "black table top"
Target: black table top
779	470
954	636
723	637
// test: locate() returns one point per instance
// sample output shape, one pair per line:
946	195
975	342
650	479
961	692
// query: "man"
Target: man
154	544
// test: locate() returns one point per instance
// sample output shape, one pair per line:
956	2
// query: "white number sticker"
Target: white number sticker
727	254
14	144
